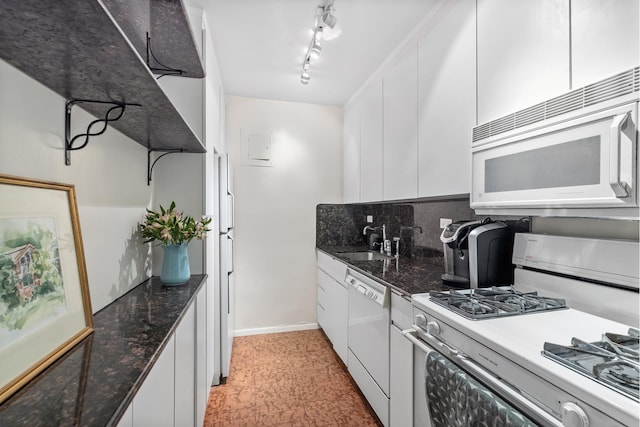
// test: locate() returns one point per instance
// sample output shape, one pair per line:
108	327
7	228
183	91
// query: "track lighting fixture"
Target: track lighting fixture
314	52
328	18
323	18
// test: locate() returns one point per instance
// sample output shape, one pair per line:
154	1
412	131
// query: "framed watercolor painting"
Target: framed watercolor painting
44	295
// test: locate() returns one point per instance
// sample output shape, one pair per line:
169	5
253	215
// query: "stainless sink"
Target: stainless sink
363	256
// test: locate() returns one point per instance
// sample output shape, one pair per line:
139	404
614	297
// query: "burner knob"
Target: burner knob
421	320
573	415
433	328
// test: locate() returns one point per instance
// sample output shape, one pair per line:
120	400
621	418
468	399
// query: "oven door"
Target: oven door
477	377
587	162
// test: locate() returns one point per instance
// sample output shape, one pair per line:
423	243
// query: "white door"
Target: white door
523	54
605	39
400	142
371	163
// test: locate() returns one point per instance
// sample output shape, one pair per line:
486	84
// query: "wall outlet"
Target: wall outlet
444	222
369	219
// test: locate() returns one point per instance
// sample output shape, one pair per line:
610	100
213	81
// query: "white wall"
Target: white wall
109	176
275	209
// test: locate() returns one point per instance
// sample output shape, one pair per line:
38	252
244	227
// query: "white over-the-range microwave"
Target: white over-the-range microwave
574	155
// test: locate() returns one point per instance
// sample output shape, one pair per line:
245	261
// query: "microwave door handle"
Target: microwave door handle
615	133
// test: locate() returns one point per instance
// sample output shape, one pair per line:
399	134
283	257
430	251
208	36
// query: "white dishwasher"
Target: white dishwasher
369	320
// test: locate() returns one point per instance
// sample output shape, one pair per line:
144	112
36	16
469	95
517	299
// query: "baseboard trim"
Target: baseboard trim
275	329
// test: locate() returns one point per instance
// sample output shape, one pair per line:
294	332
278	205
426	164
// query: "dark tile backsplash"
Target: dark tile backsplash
417	223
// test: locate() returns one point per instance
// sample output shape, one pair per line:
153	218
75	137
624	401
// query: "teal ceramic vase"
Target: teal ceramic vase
175	265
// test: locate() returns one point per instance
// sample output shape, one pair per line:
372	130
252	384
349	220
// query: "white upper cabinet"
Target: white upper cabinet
605	39
401	129
447	101
351	141
371	164
523	54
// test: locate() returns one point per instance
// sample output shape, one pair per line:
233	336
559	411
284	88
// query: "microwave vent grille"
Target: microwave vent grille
618	85
564	103
621	84
503	124
530	115
482	132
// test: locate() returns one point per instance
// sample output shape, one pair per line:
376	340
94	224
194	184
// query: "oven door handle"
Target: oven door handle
502	388
410	334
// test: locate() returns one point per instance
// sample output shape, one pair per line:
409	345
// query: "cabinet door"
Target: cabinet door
154	402
447	101
401	379
523	54
127	418
605	39
351	143
401	129
185	358
371	165
202	383
337	311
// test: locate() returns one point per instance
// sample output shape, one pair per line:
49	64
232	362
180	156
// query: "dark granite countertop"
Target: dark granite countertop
94	383
408	275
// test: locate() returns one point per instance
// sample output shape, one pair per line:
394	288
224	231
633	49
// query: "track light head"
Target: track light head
323	21
328	18
314	52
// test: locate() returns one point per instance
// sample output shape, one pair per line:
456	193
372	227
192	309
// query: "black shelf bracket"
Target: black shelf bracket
151	165
114	113
159	67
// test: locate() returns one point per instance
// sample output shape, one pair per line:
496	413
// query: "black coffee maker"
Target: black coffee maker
477	254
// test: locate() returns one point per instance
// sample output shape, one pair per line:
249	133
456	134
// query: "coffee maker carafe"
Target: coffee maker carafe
477	254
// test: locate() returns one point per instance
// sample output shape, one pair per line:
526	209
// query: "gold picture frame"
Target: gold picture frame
45	307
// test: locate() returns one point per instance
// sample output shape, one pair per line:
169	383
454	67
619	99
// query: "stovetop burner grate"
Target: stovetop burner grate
497	301
613	362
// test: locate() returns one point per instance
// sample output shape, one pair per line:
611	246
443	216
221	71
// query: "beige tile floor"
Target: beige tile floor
287	379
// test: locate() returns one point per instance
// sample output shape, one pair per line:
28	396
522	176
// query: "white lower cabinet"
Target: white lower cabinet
203	384
175	392
185	373
332	302
153	405
400	364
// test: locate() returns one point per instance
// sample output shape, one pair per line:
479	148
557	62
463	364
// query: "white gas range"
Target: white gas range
503	347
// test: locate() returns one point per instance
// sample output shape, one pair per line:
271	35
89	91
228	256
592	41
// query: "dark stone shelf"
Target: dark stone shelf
94	383
168	26
75	48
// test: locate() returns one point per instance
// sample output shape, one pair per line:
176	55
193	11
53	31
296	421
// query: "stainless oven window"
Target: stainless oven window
574	163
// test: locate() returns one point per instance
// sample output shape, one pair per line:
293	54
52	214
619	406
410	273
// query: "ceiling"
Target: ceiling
260	45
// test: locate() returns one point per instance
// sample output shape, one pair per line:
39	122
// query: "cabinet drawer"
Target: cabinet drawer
322	317
332	267
324	285
401	311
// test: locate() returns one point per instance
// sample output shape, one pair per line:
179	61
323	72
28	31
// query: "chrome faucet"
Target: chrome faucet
384	236
368	227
